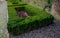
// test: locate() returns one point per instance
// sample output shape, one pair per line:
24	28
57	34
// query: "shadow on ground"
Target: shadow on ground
51	31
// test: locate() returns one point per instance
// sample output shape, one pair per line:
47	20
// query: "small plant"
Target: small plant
37	19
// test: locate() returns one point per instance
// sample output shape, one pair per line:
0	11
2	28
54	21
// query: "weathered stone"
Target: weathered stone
56	9
3	19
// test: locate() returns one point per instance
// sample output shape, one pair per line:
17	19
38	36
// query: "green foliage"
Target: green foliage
38	18
35	11
14	1
20	4
50	3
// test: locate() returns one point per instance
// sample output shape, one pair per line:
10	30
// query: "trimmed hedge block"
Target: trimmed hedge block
37	19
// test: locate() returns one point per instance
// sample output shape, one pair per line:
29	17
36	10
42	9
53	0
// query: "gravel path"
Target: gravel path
51	31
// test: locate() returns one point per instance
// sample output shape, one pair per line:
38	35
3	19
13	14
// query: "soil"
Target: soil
22	14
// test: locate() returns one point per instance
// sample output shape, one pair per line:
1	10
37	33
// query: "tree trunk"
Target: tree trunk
3	19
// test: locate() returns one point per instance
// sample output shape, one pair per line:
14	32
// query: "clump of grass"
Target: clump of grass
37	19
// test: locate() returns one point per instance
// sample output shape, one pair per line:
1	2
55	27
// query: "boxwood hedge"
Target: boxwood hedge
37	19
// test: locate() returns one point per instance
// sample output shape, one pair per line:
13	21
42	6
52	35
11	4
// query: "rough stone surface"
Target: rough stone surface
3	19
56	9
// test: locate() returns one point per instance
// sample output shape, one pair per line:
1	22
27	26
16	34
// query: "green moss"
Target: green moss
38	18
